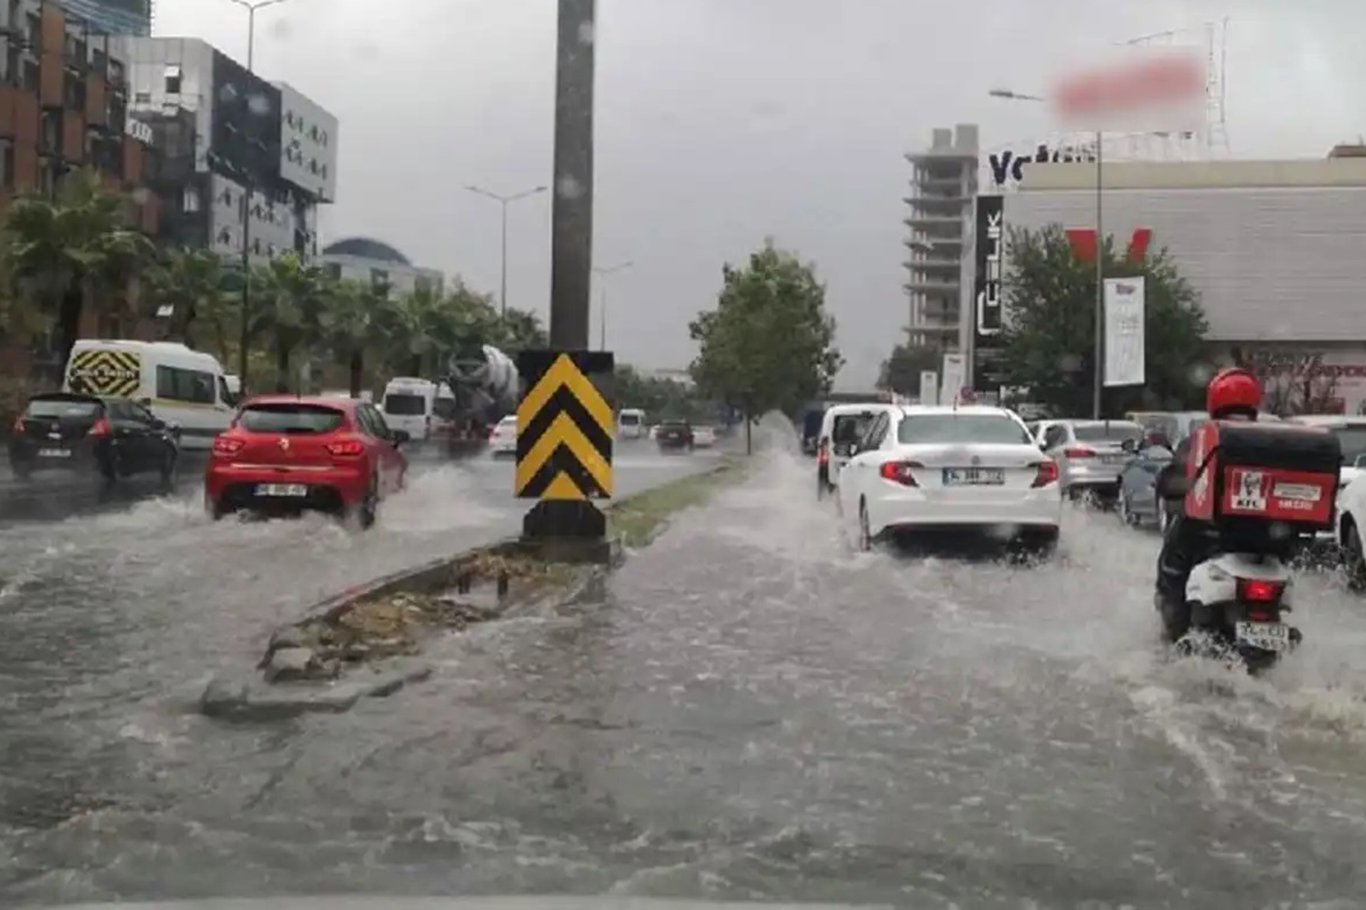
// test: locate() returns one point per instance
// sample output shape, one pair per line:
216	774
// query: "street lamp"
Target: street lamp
505	200
1008	95
603	272
249	186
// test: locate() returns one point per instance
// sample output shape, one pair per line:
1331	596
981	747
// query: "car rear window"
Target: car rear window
62	407
290	418
935	429
404	405
1100	432
848	428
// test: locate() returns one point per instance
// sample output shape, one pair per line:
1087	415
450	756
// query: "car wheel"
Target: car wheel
369	507
1354	561
865	536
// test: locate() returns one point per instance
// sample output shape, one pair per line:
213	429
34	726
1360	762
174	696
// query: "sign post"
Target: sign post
565	419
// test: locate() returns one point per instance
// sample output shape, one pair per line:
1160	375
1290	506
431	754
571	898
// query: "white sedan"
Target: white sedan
503	439
922	468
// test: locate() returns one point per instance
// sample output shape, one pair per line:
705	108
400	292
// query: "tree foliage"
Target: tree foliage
662	398
901	370
1048	344
80	251
769	343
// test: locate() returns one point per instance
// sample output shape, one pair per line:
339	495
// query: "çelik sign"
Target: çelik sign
990	251
1125	316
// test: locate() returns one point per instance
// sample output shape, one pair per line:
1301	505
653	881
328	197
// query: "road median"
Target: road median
367	641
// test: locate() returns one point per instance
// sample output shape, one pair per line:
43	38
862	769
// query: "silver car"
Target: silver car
1090	454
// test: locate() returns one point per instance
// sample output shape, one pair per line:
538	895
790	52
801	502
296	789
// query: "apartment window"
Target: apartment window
422	284
100	61
35	31
226	197
7	163
116	72
173	79
225	237
189	199
379	278
142	97
52	130
73	92
30	80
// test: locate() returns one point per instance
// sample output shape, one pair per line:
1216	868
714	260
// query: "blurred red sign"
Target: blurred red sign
1143	90
1083	242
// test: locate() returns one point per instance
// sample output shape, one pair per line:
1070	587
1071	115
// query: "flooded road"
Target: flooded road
752	711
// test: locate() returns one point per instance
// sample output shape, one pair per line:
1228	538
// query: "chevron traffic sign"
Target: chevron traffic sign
565	425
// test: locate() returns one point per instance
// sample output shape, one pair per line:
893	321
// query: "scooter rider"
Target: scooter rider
1233	394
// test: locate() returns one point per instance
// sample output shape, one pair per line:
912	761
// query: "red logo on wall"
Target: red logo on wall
1083	241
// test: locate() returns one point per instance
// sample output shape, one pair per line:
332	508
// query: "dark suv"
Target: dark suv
674	435
108	437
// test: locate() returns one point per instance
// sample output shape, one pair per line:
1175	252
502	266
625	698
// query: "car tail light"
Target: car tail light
227	445
346	448
1259	591
823	453
1079	452
1047	474
101	428
18	425
900	472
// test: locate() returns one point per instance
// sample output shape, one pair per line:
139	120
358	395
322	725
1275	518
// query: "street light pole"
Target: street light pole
249	189
1099	372
602	273
504	201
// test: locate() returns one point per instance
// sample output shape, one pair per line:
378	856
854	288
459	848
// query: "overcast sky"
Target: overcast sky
722	121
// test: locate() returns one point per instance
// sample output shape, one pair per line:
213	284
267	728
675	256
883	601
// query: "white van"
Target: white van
631	423
408	405
181	386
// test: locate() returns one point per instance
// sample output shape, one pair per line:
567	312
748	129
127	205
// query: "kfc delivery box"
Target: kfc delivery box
1248	478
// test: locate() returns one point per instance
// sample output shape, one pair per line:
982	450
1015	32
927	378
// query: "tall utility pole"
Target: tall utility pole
249	189
1099	378
602	273
505	200
572	213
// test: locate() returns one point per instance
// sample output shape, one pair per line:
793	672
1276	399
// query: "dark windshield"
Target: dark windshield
934	429
629	420
404	405
1353	442
76	408
290	418
1112	432
849	428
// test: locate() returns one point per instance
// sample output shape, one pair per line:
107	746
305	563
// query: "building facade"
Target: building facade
113	17
378	265
939	239
261	159
1272	247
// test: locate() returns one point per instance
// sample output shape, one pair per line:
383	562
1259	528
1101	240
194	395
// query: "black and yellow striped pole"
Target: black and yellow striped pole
566	416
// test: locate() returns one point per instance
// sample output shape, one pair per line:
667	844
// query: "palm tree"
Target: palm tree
65	252
350	322
191	284
522	330
289	304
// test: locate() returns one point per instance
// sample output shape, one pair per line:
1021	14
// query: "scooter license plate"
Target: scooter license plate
1269	636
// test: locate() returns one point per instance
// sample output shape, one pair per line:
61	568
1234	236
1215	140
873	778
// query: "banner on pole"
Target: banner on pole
952	377
929	387
1125	318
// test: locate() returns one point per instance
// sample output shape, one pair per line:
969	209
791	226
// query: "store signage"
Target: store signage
1083	243
1008	167
990	248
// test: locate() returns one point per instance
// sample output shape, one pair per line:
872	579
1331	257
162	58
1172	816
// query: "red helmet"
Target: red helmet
1233	392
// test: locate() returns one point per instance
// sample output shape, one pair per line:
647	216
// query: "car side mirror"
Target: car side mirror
401	436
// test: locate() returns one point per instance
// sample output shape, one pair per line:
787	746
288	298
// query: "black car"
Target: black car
108	437
674	434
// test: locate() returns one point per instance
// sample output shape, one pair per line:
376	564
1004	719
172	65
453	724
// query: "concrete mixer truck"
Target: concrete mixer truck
486	387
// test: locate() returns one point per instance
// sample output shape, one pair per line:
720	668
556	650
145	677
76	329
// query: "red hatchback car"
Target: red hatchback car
297	452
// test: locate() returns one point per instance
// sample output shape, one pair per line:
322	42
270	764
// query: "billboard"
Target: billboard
988	307
1125	342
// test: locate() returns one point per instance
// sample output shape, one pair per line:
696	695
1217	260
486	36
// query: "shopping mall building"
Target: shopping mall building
1276	249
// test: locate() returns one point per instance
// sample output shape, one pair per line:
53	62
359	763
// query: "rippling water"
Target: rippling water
751	711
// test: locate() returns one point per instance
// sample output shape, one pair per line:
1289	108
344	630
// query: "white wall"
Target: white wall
147	60
308	140
403	279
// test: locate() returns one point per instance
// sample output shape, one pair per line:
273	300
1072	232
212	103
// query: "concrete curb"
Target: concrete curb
252	698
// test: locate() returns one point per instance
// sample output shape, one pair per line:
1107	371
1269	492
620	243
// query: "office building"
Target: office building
939	263
378	265
113	17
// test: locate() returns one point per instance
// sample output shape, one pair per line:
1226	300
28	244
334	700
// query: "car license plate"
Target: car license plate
974	477
54	453
1269	636
281	489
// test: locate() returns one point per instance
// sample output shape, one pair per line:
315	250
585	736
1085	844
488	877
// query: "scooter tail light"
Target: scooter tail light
1260	591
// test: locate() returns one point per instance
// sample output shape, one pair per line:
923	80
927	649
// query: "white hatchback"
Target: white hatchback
943	467
503	439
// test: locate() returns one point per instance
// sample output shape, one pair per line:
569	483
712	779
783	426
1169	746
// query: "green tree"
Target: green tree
288	298
62	253
901	370
192	283
521	331
348	321
1048	344
769	344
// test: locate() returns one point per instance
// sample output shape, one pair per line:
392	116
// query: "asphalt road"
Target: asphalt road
752	712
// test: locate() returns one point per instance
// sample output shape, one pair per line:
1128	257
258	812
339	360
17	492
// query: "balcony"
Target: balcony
941	222
923	284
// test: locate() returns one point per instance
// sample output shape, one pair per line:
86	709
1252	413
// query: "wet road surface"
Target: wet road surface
751	711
